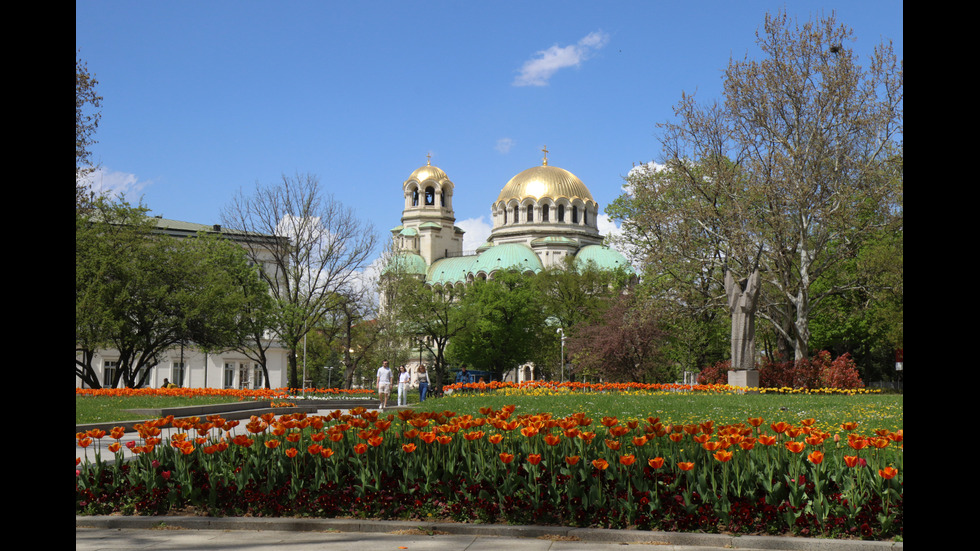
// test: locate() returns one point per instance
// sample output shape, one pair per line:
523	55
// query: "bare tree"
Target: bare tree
323	247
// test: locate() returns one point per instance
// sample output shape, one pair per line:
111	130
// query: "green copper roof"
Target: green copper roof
508	256
450	270
407	263
604	258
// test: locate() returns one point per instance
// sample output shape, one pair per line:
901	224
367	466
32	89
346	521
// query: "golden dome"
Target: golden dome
428	172
545	181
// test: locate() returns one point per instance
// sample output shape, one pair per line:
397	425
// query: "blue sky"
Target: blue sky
204	98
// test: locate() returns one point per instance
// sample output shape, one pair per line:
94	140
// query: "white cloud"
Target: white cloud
504	145
545	63
116	184
477	232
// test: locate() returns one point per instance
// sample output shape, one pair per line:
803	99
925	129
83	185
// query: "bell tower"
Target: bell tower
428	223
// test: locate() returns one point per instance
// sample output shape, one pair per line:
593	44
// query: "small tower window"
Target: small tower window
585	216
574	215
517	213
544	213
415	197
561	213
530	213
430	196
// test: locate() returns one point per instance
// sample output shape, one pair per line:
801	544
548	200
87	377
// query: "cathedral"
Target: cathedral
541	216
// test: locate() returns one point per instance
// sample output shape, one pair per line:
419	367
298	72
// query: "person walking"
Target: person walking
384	383
403	379
423	377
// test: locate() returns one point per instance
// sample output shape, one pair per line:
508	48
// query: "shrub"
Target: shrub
716	374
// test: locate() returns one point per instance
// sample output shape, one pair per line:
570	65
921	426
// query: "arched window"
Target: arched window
415	197
505	216
530	213
561	213
585	216
574	215
442	198
544	213
517	213
430	196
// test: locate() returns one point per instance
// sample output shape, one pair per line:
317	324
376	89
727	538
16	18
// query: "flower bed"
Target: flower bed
754	477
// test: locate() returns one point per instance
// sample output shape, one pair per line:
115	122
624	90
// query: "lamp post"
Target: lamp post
562	333
329	369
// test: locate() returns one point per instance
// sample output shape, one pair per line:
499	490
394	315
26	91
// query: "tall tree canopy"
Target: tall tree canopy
87	115
792	173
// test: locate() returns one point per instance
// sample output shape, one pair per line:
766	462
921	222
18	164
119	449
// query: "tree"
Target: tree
86	123
322	247
430	315
142	292
506	322
791	174
623	345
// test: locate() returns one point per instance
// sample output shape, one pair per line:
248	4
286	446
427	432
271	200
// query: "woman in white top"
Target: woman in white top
403	380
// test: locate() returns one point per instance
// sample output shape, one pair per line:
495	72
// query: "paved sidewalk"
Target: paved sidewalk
269	534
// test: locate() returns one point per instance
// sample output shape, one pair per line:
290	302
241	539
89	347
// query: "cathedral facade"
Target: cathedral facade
542	216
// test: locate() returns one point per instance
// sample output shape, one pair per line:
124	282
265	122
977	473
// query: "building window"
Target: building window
544	213
415	197
257	380
585	216
574	215
561	213
505	216
430	196
109	369
530	213
177	370
229	375
517	213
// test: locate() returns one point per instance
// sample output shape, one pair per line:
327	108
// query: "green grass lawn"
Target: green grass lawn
871	411
106	409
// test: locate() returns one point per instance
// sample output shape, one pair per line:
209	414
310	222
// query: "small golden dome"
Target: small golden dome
428	172
545	181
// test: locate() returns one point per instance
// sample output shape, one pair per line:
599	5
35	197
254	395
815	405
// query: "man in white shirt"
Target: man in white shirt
384	383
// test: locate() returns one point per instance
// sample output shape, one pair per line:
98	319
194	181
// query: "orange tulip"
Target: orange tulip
676	436
656	462
444	439
767	440
755	421
84	442
851	460
815	457
722	455
795	447
534	458
473	435
408	448
272	444
857	443
242	440
685	465
291	452
780	427
627	460
600	464
506	457
572	459
613	444
747	444
640	440
552	440
326	453
609	421
114	447
850	425
711	446
360	448
495	438
888	472
118	432
314	449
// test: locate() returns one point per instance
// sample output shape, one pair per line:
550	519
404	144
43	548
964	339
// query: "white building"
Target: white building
188	367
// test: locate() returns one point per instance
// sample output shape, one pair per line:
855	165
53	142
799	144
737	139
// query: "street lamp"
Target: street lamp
562	333
329	369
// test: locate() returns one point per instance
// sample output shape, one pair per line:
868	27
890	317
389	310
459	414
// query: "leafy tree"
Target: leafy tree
142	292
624	345
505	326
431	315
87	99
320	249
792	174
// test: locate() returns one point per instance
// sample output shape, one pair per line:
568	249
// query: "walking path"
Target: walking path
161	533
